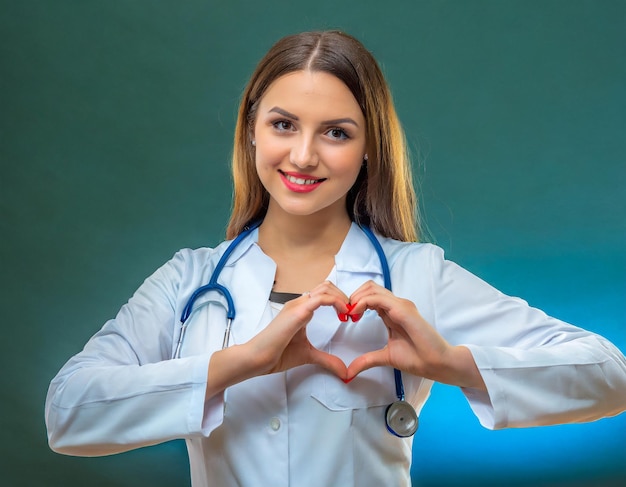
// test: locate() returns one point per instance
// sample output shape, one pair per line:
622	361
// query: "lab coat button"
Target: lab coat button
275	424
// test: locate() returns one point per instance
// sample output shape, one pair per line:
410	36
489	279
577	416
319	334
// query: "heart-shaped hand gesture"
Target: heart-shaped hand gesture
413	346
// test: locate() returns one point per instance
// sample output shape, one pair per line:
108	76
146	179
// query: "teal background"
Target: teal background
116	122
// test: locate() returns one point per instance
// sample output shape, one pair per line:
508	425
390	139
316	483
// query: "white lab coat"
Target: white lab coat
306	427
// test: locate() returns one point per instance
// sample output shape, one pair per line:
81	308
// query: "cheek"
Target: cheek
262	169
351	168
269	153
267	158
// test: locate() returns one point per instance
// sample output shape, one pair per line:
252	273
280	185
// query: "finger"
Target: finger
340	301
298	312
317	299
368	360
367	288
329	362
327	287
381	301
397	309
350	314
395	329
320	295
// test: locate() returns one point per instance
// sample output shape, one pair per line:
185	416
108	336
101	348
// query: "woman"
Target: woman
300	392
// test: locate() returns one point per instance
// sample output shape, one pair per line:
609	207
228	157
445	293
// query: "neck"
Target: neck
314	234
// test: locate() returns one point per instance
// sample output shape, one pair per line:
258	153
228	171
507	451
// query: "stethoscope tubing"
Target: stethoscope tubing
398	407
384	264
213	285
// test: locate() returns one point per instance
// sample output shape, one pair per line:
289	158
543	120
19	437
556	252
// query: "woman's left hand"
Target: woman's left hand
413	346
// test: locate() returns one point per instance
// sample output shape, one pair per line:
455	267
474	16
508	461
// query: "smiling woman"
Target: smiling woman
390	206
310	146
330	313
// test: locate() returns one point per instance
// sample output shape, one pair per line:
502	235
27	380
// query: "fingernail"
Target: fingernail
347	381
343	317
350	306
356	317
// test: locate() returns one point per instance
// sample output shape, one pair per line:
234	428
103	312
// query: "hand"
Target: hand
284	344
414	346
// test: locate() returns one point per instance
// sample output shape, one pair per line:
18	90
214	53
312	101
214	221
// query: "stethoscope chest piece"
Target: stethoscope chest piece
401	419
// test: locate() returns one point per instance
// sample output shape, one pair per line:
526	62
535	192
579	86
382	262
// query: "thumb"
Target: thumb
367	361
330	362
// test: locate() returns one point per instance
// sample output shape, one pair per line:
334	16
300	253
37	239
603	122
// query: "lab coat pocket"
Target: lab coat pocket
373	387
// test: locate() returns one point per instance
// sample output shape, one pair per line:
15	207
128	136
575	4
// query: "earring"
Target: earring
253	142
365	157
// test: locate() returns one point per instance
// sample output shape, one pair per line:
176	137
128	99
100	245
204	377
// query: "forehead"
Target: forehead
314	92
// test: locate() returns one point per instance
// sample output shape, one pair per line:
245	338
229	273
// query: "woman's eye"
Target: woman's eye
337	133
283	125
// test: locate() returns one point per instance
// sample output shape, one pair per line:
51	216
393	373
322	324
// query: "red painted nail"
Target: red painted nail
356	317
347	381
343	317
350	306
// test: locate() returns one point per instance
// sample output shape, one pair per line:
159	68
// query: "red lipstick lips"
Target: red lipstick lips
300	183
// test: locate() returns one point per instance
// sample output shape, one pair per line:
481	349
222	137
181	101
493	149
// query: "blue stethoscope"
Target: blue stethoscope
400	417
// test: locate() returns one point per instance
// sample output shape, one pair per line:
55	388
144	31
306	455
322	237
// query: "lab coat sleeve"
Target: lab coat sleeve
123	391
538	370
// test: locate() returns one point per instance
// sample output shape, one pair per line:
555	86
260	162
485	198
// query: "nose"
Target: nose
303	152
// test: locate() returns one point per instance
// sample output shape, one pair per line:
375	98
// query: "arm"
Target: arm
122	391
533	369
538	370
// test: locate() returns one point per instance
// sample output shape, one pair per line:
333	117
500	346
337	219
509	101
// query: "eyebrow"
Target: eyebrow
336	121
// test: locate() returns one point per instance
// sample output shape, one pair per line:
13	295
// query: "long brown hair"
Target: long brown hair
382	196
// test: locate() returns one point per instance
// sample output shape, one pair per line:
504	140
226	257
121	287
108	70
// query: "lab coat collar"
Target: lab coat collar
355	255
243	247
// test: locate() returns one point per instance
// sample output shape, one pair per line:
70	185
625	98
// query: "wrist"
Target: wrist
464	371
230	366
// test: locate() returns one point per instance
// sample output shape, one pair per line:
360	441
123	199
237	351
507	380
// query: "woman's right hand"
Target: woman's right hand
280	346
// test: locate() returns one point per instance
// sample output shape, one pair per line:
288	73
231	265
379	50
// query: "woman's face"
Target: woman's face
310	143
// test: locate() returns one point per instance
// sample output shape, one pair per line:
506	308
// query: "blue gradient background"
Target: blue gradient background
116	122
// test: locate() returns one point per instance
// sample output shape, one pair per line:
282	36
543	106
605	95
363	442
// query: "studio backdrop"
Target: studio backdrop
116	128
